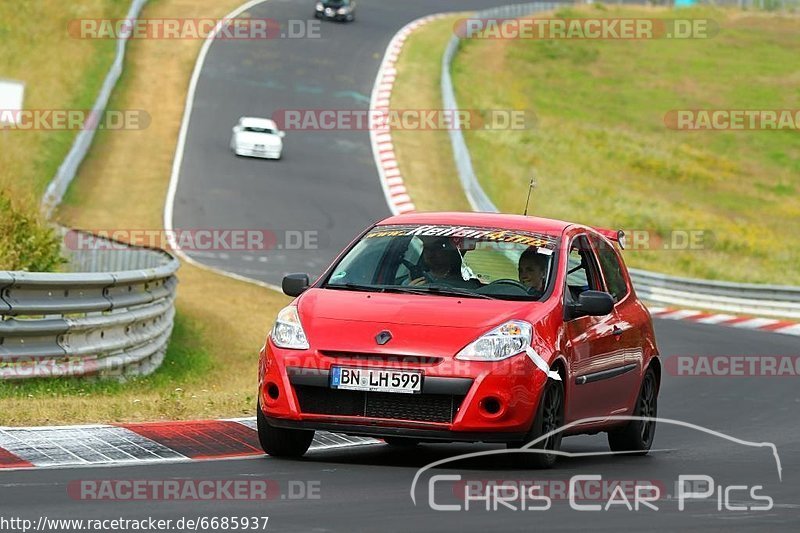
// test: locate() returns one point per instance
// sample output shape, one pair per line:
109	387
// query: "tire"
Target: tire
637	436
281	442
549	416
401	442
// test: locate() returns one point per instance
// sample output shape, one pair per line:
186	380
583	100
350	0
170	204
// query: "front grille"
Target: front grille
397	406
387	358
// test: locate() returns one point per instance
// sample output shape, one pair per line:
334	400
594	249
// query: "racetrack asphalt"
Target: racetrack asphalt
367	488
327	183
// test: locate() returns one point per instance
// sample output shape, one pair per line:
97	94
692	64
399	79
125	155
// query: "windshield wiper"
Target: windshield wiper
445	291
354	287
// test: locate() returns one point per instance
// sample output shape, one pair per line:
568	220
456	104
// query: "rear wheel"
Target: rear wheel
281	442
637	436
549	417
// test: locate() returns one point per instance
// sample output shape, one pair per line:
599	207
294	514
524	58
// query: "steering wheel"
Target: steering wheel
488	289
509	281
414	271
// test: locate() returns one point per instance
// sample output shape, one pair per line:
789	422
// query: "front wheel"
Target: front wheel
549	417
637	436
401	442
281	442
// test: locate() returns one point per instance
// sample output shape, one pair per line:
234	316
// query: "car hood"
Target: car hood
251	137
340	320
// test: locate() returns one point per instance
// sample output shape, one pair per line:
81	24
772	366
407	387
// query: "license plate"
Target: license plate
376	379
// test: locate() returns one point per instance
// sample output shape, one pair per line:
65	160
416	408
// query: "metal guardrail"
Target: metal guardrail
113	323
69	167
765	300
747	298
112	315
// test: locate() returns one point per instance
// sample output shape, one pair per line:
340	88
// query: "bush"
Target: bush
26	241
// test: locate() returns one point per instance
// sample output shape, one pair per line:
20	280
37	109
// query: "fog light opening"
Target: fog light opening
491	405
272	391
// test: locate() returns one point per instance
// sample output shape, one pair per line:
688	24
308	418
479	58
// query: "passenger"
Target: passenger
533	269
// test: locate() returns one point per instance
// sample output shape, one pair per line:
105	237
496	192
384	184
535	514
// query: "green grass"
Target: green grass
59	71
604	156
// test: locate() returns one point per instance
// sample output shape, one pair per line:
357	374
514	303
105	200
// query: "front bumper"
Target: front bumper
268	153
460	400
333	16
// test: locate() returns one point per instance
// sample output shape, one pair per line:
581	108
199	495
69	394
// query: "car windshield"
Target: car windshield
253	129
447	260
336	3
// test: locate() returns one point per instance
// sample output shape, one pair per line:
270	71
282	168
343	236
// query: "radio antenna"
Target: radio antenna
530	188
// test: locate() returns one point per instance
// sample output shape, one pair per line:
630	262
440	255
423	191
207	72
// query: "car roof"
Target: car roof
254	122
494	220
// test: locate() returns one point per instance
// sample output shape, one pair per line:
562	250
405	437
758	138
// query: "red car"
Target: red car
469	327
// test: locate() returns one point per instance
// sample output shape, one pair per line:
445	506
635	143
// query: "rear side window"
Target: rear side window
612	269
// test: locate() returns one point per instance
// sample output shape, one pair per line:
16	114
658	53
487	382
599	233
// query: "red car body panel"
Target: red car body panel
428	331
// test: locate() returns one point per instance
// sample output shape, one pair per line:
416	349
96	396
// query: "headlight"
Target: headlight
502	342
342	11
320	7
287	331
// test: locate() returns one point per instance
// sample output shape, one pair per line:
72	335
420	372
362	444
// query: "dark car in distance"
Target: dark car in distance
341	10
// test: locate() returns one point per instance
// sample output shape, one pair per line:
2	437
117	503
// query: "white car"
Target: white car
257	137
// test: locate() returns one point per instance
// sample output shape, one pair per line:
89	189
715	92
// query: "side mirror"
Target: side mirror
237	129
295	284
281	134
595	303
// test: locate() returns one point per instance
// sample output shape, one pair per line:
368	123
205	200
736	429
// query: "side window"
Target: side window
582	270
612	269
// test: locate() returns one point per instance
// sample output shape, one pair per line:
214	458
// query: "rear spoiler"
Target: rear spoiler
616	235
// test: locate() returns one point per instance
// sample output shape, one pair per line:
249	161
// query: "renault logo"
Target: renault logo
383	337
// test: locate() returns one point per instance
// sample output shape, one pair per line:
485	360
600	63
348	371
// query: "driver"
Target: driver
441	262
532	269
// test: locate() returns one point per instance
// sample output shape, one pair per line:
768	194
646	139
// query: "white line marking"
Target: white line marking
680	314
715	319
755	323
789	330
